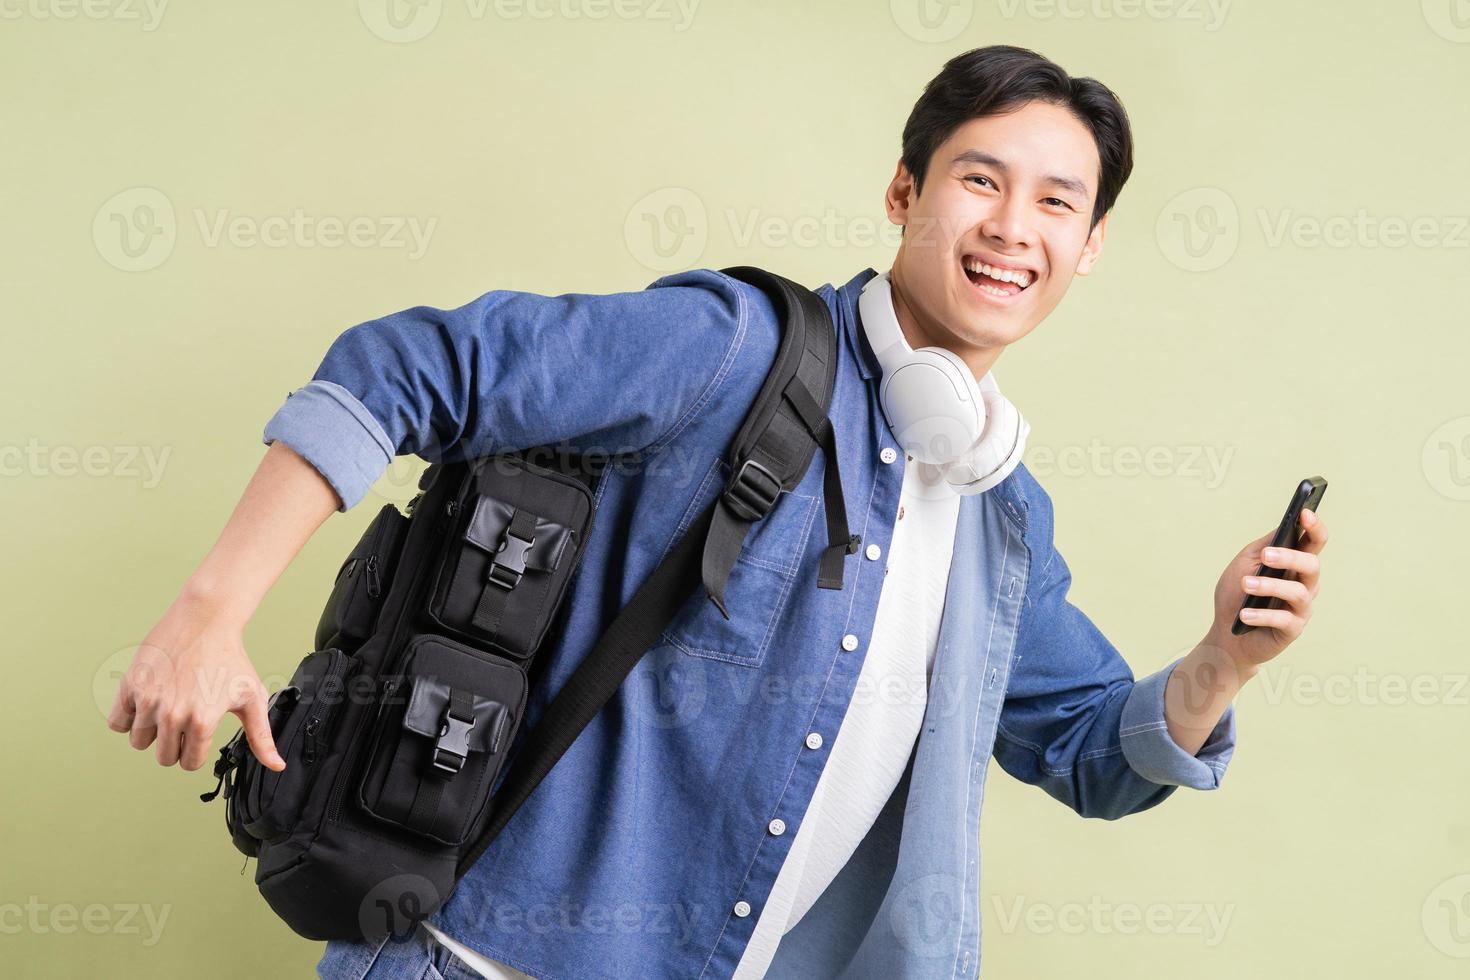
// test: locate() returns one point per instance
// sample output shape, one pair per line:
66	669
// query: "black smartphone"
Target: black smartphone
1306	496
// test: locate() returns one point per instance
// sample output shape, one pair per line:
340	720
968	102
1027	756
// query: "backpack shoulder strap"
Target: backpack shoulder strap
774	446
769	456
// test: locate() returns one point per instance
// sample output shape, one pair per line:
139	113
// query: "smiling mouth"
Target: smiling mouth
1002	283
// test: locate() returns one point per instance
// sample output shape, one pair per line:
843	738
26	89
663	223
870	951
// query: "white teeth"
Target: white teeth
1020	277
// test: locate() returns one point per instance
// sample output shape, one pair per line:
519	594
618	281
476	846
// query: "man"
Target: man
757	800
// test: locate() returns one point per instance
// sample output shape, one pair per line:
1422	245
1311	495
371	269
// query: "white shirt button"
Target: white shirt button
814	741
742	909
777	826
873	552
888	454
850	642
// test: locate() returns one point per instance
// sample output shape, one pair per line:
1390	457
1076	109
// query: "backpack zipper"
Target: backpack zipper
320	721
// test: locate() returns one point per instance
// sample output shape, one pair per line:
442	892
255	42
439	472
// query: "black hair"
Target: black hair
994	80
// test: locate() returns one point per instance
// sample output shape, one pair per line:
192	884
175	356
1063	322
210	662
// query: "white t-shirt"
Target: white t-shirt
882	723
878	732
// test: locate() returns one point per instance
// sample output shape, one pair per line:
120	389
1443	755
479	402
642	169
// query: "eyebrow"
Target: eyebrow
1055	180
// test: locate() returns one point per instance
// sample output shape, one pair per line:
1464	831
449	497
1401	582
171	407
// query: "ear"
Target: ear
899	196
1093	248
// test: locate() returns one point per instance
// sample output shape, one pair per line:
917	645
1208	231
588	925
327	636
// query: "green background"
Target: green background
544	149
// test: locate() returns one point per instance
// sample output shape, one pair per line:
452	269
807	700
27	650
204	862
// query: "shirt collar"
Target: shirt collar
857	339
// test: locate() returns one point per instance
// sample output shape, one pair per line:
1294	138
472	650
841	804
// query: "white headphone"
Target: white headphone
937	410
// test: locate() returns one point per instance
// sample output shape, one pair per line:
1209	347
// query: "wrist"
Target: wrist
206	598
1226	654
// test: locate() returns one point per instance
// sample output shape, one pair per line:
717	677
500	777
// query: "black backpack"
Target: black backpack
397	729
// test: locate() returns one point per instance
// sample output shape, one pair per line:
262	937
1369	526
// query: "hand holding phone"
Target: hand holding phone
1306	496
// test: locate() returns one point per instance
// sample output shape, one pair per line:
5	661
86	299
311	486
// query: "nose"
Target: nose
1008	224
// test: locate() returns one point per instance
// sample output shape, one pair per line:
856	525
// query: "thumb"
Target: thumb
256	722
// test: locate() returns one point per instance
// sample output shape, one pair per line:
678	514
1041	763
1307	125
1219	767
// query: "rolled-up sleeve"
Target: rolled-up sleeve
1152	751
617	374
334	432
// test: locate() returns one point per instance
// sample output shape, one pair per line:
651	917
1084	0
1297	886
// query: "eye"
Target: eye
987	180
1054	201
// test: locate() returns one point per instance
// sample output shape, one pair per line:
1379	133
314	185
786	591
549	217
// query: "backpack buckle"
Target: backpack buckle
753	491
510	560
453	744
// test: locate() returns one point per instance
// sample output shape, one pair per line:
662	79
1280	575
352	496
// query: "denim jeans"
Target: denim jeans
417	957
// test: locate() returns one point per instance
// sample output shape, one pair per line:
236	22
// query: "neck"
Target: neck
920	334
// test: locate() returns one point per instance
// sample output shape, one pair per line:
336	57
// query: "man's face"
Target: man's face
1012	196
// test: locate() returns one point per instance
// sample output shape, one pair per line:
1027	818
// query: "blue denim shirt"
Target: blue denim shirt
649	850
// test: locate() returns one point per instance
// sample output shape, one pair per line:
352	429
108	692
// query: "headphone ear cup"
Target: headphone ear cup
933	405
998	451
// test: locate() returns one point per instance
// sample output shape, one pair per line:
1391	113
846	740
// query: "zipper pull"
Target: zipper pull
374	582
313	725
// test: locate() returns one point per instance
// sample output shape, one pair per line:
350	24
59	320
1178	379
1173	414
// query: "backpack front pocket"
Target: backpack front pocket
513	546
442	734
302	715
357	595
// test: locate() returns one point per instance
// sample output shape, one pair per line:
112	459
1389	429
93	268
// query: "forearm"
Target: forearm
1199	690
284	503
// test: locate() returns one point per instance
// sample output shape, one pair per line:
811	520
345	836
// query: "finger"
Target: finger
1304	563
145	720
170	737
142	736
197	742
120	716
1290	591
1314	533
256	722
1284	620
